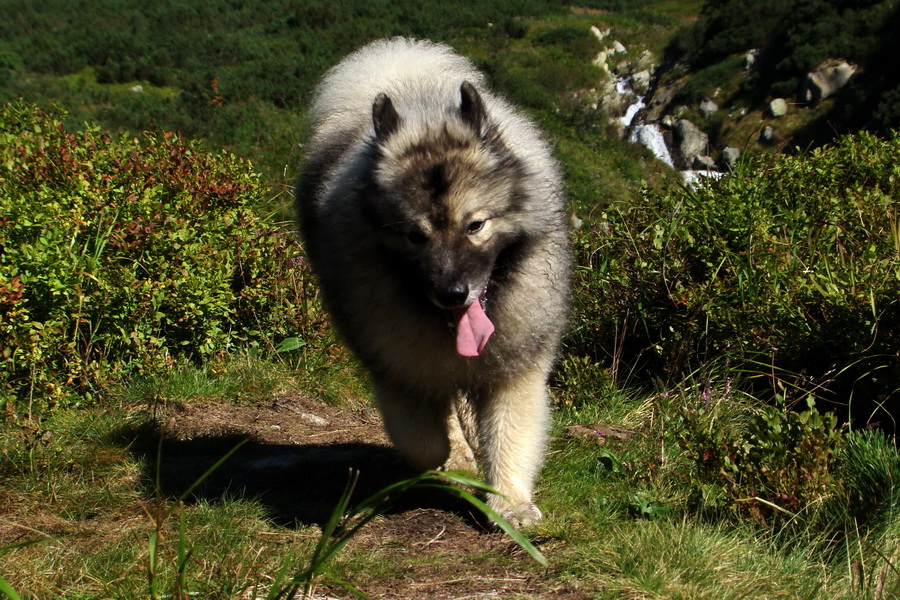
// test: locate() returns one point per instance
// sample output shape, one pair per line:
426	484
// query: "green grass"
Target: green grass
620	520
697	314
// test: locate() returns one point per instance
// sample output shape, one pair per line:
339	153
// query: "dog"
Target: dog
433	215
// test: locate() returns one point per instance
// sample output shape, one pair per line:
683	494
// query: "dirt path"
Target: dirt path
298	459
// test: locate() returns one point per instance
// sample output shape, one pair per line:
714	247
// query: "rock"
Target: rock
730	157
618	48
599	34
750	59
708	107
827	80
778	107
640	81
599	434
690	141
137	89
575	223
767	134
600	60
703	163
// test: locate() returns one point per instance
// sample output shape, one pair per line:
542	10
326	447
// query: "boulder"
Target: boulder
644	61
826	81
690	142
617	47
640	81
703	163
730	157
708	107
778	107
750	59
599	34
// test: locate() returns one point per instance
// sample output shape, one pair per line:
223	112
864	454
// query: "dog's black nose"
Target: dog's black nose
452	295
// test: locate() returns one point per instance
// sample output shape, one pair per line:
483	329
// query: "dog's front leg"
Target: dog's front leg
513	419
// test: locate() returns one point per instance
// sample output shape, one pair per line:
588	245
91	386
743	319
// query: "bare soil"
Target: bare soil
297	457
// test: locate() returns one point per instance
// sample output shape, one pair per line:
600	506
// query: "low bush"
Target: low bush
123	256
790	266
772	465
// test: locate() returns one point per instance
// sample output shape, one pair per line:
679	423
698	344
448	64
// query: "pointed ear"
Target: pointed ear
471	107
384	117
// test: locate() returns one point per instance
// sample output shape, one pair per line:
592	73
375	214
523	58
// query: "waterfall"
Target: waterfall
650	136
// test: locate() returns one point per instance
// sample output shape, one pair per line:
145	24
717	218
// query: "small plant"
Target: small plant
344	523
794	260
773	465
127	256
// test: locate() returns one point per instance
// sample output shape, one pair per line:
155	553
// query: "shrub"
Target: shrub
794	263
773	465
124	256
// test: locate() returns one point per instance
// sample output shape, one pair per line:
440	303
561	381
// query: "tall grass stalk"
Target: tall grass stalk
344	523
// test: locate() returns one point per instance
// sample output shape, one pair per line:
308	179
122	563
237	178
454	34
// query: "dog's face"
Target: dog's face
445	198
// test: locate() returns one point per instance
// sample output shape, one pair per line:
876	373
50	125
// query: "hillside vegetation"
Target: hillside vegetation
788	41
724	407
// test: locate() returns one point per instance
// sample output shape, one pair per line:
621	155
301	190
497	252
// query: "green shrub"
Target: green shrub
773	465
794	263
577	41
124	256
870	465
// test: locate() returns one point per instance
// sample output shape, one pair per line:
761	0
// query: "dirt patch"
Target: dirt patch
296	455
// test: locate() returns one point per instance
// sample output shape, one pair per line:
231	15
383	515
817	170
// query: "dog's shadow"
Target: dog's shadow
297	484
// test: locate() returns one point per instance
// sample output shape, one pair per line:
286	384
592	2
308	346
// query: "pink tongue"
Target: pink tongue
473	329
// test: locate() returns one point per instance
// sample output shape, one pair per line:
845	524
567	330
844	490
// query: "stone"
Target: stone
640	81
708	107
703	163
690	141
750	59
778	107
826	81
730	157
617	47
598	33
767	134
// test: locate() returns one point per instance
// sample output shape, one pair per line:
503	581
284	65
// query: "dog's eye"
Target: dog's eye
475	226
416	237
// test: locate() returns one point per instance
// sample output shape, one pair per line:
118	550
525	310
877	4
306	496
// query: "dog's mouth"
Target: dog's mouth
473	328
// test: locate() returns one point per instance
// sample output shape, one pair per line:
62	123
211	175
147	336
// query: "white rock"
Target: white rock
778	107
599	34
708	107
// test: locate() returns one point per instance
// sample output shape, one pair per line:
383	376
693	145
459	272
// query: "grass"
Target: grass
696	497
619	518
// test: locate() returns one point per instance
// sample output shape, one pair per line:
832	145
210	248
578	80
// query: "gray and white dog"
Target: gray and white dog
433	214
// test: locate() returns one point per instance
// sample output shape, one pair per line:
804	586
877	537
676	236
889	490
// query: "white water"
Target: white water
633	110
696	178
650	136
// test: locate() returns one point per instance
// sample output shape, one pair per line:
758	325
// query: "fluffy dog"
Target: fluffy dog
433	215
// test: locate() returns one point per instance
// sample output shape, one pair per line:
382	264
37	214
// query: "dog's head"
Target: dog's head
446	196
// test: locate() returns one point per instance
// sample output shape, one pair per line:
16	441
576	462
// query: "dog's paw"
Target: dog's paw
461	458
524	514
460	462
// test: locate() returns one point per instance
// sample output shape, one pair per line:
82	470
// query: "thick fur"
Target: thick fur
421	193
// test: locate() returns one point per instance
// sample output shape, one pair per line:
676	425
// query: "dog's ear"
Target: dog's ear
384	117
471	107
